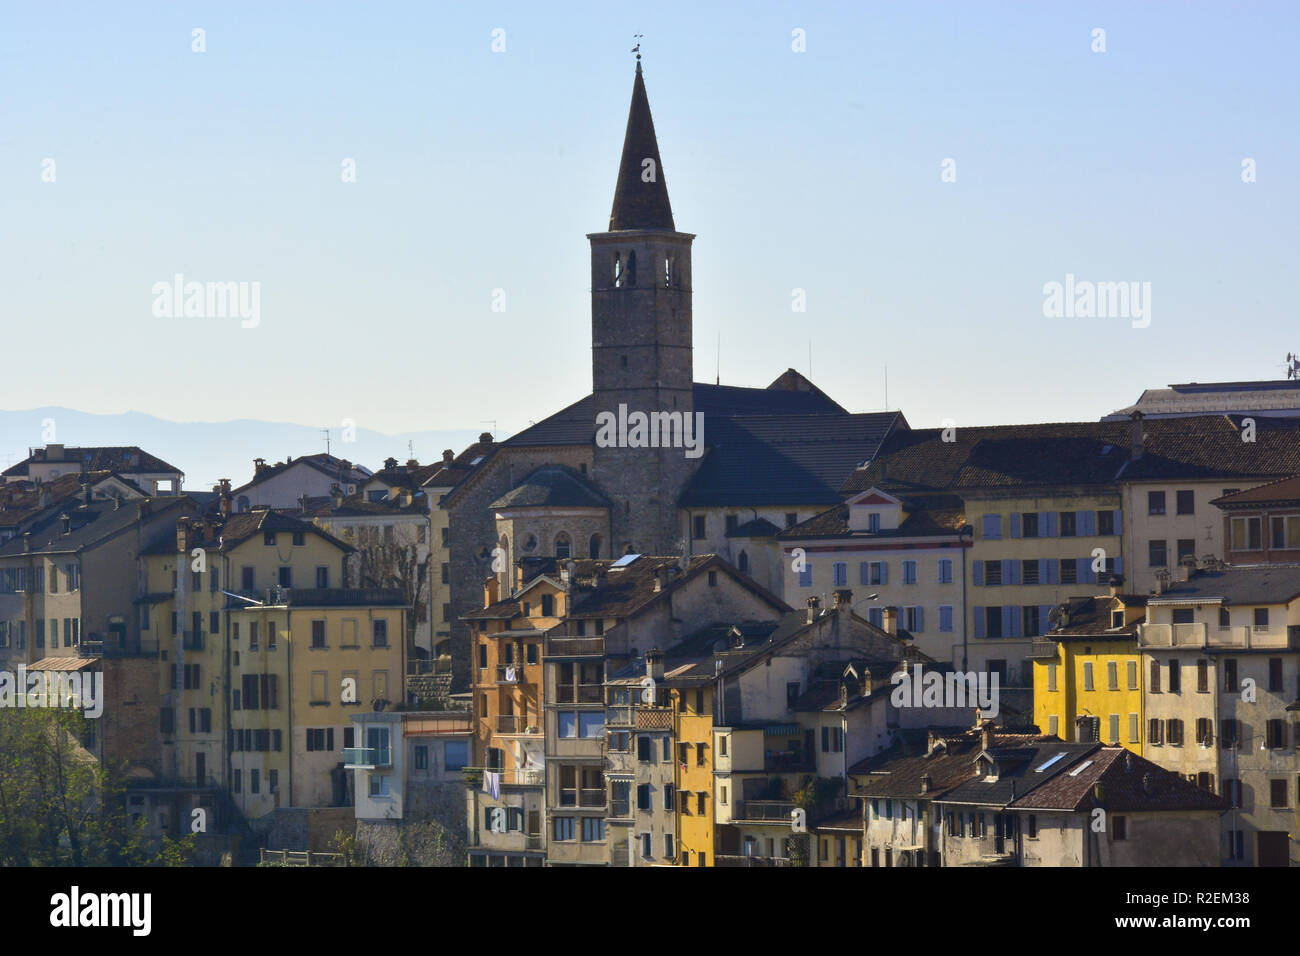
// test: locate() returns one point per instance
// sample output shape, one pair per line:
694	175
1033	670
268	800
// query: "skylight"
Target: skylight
1079	769
1050	762
625	560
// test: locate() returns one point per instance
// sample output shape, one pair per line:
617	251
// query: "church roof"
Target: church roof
641	194
552	486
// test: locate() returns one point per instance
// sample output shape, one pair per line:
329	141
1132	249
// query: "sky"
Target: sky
828	169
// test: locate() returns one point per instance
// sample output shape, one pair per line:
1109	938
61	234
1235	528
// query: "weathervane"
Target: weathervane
637	49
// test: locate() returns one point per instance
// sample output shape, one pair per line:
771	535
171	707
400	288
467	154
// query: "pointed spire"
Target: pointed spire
641	194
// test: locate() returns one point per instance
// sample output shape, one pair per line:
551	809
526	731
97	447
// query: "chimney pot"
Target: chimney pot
890	620
448	456
843	600
986	735
485	438
654	664
814	605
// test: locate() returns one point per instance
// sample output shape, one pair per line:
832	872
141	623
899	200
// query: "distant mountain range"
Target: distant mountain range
206	451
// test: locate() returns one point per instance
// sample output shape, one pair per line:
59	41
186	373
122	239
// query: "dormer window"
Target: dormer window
1116	619
873	522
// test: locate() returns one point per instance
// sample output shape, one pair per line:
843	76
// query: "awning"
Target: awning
781	730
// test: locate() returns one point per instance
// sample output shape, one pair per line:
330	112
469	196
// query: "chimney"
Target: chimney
986	735
1162	581
659	580
27	542
654	664
54	453
226	500
844	600
844	696
183	535
117	502
1116	585
86	494
1186	567
814	605
146	507
259	466
390	464
336	495
890	616
491	591
866	683
405	499
448	456
67	522
926	783
45	497
485	438
931	738
1137	438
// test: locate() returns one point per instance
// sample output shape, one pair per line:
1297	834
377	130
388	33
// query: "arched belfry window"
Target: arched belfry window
744	561
593	547
563	547
618	271
631	270
668	271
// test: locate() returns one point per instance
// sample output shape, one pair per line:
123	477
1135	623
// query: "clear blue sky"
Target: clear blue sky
476	171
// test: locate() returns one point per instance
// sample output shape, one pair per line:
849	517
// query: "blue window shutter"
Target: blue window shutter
1119	562
864	572
1008	571
979	622
920	620
884	572
1015	524
1042	571
1015	572
1017	622
993	526
1089	522
805	576
945	618
1084	571
979	573
1049	522
1008	620
1119	521
1053	571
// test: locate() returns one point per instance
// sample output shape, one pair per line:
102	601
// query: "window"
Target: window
1230	674
1155	731
1118	828
299	539
1114	728
564	828
246	578
1155	502
992	573
1275	734
1275	674
1225	618
1069	571
379	632
1285	532
1229	734
1186	548
1069	524
1202	677
643	797
645	845
873	522
945	571
1175	676
268	538
1029	524
1157	556
286	577
455	754
805	575
644	750
593	830
1246	534
945	618
1277	795
1031	826
317	633
699	527
668	796
1134	729
841	574
1029	572
1112	675
1204	731
1106	522
668	846
1186	503
992	621
909	572
1131	667
1087	676
1261	618
322	577
1174	732
993	527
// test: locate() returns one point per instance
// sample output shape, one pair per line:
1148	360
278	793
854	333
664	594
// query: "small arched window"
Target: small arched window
744	561
593	547
668	271
563	547
631	270
618	271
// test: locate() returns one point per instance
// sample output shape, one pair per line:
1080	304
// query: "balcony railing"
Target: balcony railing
579	693
1278	637
764	811
586	797
726	860
575	647
788	760
1042	650
510	776
364	757
621	715
620	809
519	726
510	674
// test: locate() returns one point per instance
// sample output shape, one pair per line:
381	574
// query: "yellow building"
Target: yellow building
1088	676
301	665
692	703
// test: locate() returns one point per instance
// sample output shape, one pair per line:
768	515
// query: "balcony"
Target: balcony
622	715
367	758
764	811
579	694
510	776
1243	637
1042	650
575	647
768	861
586	797
620	808
517	726
654	718
789	761
510	674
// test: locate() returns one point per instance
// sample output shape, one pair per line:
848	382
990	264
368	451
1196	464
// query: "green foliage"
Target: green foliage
59	807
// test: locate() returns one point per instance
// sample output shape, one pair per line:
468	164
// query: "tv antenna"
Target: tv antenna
1292	365
327	441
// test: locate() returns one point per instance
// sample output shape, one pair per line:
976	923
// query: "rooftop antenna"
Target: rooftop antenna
327	441
490	421
410	448
1292	365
